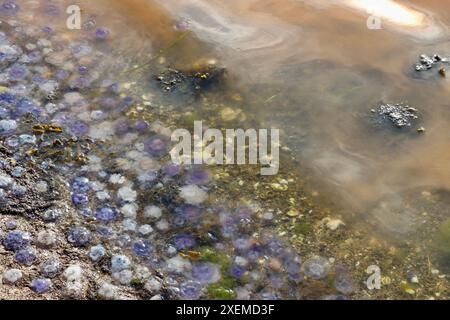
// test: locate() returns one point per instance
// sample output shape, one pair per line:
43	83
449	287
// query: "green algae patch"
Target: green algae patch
442	239
209	255
219	292
303	228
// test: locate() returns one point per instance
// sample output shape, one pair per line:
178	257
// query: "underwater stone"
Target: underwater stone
400	115
411	276
12	276
16	240
79	236
40	285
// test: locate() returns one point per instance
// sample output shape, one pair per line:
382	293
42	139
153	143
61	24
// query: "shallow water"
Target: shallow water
320	70
310	68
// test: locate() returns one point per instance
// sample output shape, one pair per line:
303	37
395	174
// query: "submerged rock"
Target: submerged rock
191	83
399	115
427	64
21	194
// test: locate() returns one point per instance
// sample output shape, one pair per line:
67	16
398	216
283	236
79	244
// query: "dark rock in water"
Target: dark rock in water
24	195
399	115
427	63
190	83
430	63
